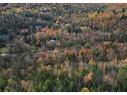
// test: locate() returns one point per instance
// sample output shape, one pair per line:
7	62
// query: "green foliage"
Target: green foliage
3	83
102	9
123	10
58	36
122	77
59	86
96	34
87	45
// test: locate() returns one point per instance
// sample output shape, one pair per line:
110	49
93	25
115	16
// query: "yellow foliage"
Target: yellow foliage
18	10
85	89
93	15
92	62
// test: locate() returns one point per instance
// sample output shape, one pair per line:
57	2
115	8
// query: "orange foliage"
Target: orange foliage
49	32
69	53
107	78
88	77
84	51
41	57
117	6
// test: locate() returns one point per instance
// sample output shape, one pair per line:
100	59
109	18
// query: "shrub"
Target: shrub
85	89
3	83
122	77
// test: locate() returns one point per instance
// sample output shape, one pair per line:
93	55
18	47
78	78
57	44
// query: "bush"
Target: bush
3	83
122	77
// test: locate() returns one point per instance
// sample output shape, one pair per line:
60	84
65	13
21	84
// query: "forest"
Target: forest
63	47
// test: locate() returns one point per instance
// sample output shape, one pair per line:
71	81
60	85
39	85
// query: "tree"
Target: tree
3	83
18	46
40	38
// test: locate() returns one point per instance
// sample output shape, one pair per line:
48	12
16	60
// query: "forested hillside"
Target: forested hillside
63	47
